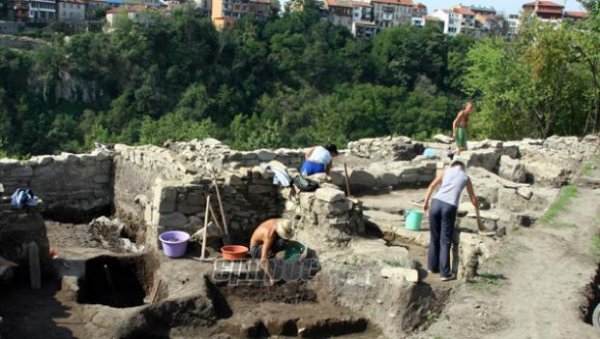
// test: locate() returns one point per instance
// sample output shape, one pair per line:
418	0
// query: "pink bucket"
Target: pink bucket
174	243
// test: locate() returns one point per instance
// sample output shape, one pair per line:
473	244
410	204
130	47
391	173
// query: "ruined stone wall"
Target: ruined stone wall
398	174
74	187
325	218
387	148
204	155
19	228
247	199
163	190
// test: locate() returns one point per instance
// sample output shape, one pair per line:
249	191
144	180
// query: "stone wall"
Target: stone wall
326	218
73	187
248	198
19	228
204	155
383	175
388	148
165	191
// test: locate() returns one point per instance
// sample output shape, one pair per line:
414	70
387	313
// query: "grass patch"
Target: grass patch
596	247
485	283
587	169
509	252
562	225
560	204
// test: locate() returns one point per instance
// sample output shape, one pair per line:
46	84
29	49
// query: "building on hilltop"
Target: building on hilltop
419	10
340	12
514	24
392	13
135	13
227	12
574	15
42	11
71	11
204	6
363	25
545	10
18	11
484	11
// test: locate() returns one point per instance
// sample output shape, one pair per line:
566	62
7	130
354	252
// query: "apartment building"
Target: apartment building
514	24
43	11
419	10
392	13
545	10
71	11
457	20
340	12
204	6
227	12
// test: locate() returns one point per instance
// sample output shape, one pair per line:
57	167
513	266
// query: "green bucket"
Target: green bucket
293	251
413	220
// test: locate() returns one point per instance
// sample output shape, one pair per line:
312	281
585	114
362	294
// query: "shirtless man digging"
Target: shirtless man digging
269	238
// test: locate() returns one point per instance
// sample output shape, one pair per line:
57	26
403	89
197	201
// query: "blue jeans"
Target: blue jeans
442	217
310	168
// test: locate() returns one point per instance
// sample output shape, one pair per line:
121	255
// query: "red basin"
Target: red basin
233	252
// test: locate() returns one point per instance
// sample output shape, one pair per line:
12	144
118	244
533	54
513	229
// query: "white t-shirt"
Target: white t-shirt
320	155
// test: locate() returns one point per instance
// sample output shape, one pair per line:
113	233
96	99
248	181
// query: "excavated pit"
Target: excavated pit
113	281
285	309
591	293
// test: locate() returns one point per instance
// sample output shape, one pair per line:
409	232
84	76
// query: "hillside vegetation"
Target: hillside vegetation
293	80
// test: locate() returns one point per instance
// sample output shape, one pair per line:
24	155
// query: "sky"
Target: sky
506	6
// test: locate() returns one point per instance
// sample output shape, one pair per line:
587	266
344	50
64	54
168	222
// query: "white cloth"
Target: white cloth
320	155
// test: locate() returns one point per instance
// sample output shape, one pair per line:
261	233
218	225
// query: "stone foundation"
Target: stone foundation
73	187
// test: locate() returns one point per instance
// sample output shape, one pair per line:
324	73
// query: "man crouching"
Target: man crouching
269	238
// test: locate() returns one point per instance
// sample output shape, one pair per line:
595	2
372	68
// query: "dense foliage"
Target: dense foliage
293	80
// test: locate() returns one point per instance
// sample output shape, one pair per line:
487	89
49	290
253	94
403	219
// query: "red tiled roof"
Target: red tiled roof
420	5
127	9
463	10
544	4
395	2
339	3
576	14
360	4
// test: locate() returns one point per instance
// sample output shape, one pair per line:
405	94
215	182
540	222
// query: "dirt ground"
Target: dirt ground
533	287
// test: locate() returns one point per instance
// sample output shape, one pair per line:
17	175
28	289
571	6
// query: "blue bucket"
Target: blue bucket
413	220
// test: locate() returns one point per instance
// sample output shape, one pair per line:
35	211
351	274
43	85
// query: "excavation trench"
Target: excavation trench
287	309
591	294
114	281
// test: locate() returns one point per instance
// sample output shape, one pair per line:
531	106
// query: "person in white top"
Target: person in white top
318	159
442	214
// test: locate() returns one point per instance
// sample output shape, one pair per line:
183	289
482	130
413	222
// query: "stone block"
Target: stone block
361	177
444	139
167	200
306	200
525	192
102	179
261	189
172	220
192	203
329	195
20	172
399	274
266	156
512	169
